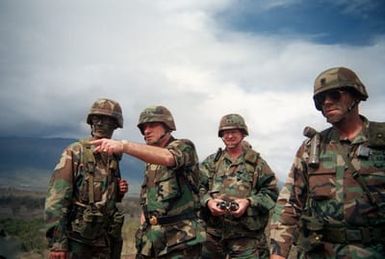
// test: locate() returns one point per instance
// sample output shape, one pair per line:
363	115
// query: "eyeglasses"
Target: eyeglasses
231	132
335	95
102	120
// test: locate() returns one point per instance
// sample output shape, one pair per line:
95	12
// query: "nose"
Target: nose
146	129
97	121
230	133
328	100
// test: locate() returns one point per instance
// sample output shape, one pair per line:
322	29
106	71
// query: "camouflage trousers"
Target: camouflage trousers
344	251
193	252
242	247
80	250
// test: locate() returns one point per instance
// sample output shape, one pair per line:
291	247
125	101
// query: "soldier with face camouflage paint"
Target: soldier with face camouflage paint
333	202
80	209
169	227
238	189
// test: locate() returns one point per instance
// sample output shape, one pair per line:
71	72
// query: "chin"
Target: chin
149	142
333	119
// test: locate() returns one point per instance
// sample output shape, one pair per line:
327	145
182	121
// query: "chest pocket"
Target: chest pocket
99	187
167	186
95	180
377	158
322	181
372	169
244	183
237	182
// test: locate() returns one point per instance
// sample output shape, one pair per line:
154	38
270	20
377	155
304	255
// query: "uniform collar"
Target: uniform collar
360	138
238	160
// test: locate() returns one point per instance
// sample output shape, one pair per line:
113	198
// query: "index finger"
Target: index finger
96	142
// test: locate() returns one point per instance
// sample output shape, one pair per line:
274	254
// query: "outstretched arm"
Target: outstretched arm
146	153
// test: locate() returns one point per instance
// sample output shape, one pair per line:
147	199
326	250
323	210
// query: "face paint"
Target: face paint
102	126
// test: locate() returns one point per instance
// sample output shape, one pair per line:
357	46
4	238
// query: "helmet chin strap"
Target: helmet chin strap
162	137
351	107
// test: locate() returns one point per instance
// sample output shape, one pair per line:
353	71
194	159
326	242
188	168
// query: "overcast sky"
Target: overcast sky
200	58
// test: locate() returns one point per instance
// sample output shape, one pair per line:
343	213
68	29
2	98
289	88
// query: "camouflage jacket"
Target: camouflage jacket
69	206
331	202
249	176
171	194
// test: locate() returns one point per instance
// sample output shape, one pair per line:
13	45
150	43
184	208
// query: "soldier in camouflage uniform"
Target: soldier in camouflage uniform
335	191
238	189
169	197
80	209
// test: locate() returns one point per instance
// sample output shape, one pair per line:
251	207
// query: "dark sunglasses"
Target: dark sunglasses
335	95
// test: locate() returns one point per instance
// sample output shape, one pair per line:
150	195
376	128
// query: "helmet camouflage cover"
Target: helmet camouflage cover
335	78
106	107
232	121
156	114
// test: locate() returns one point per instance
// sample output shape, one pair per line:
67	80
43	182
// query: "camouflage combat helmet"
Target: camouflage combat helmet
338	77
106	107
232	121
156	114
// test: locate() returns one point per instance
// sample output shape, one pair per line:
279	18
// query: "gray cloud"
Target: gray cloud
57	57
357	7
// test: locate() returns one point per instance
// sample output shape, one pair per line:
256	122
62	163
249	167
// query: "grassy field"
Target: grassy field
25	240
22	232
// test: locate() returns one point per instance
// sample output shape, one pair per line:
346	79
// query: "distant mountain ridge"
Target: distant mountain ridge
28	163
40	153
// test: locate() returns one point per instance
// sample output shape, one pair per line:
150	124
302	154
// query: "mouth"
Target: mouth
231	142
331	110
147	137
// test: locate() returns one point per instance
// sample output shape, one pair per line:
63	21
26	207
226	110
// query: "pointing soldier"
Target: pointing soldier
335	190
80	209
238	189
169	197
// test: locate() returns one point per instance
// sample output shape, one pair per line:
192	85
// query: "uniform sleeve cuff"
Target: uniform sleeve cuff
59	246
205	199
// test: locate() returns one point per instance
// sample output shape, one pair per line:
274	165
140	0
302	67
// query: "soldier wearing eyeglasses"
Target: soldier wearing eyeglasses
82	215
333	202
238	191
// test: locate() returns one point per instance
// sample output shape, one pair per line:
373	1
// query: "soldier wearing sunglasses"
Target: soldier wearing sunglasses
333	201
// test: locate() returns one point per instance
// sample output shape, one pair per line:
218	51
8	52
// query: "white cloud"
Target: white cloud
171	53
271	4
